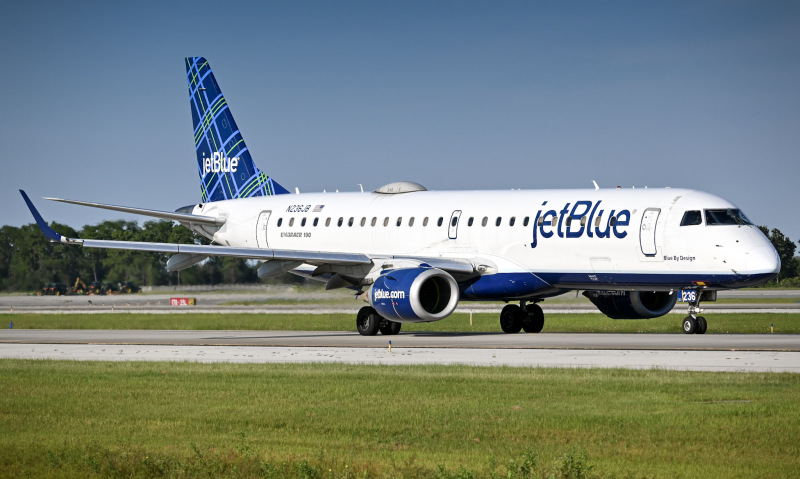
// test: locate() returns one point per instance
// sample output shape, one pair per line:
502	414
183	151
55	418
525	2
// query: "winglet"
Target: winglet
46	229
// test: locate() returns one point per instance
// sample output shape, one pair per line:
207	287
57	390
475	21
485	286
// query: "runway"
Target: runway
288	301
748	353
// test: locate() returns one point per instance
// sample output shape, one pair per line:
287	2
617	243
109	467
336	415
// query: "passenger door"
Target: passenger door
261	229
647	232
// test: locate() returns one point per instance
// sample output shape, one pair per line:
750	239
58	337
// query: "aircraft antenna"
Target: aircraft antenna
596	187
362	187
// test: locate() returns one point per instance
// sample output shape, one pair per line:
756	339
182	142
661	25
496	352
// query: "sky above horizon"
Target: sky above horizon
451	94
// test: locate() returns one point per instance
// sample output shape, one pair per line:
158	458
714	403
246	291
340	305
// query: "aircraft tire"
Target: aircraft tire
702	325
689	325
533	321
511	319
368	321
390	328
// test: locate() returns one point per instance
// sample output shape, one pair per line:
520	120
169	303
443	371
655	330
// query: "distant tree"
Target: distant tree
786	249
30	259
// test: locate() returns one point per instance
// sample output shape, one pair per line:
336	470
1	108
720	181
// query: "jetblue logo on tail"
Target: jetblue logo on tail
219	163
227	170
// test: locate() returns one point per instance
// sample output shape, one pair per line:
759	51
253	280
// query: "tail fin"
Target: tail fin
226	169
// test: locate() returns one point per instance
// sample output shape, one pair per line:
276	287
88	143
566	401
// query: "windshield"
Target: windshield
727	216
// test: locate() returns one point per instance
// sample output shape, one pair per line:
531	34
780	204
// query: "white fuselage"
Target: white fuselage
587	239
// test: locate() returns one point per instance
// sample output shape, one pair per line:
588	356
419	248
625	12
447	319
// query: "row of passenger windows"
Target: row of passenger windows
485	221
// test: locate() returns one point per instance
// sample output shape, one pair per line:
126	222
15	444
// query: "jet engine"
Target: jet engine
414	295
632	304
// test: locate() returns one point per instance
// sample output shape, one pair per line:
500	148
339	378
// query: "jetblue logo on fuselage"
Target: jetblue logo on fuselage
570	222
219	163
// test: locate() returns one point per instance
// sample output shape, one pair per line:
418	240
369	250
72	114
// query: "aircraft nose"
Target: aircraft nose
763	259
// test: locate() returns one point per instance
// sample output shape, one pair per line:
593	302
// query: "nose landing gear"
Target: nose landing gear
694	324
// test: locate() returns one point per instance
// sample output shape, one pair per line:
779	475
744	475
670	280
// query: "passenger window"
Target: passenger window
441	220
469	222
303	222
540	221
374	221
399	221
512	221
692	218
555	220
454	221
583	221
612	221
411	221
525	222
363	222
485	221
569	221
499	220
291	221
425	221
386	221
597	221
341	220
328	222
316	221
280	220
350	221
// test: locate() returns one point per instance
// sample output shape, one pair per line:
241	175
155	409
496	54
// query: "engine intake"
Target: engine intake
414	295
632	304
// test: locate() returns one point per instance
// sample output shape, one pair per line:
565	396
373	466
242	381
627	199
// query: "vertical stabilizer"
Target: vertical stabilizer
226	169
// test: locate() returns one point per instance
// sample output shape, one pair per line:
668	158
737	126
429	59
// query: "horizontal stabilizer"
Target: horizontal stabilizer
167	215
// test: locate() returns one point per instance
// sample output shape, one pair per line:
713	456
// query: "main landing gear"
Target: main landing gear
514	319
369	322
694	324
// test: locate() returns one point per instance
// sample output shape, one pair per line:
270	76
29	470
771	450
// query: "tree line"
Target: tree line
28	259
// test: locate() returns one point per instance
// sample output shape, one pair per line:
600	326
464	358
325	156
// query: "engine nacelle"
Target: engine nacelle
414	295
633	304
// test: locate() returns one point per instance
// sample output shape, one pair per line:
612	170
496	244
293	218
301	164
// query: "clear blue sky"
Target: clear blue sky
453	95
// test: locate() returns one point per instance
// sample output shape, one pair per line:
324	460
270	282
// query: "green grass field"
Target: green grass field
785	323
101	419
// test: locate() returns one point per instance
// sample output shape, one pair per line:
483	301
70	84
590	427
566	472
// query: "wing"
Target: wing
325	261
311	257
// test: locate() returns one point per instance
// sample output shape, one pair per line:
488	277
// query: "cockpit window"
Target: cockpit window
692	218
728	216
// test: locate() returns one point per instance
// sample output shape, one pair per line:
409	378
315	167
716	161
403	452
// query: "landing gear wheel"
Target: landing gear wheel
702	325
511	318
533	321
390	328
368	321
689	325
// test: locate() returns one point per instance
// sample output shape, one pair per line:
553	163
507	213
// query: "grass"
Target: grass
785	323
101	419
757	300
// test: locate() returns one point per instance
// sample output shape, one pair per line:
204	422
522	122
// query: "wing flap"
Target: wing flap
311	257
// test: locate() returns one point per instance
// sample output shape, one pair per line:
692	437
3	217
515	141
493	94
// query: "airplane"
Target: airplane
414	254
